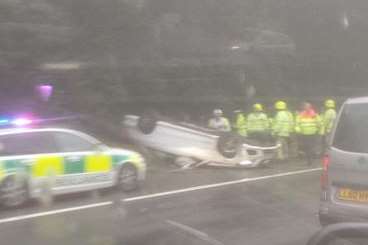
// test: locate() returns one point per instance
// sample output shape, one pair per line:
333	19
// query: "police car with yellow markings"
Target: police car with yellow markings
59	161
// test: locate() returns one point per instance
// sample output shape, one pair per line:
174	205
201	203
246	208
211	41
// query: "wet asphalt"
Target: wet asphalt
280	209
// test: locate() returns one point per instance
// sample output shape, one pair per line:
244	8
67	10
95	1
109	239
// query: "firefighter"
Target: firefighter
328	119
282	127
240	126
258	124
219	122
329	116
308	126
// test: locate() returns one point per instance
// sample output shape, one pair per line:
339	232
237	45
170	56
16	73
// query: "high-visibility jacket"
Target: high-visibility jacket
220	124
240	124
328	118
283	123
308	125
257	122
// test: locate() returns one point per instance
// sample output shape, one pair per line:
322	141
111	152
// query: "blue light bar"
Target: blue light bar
4	121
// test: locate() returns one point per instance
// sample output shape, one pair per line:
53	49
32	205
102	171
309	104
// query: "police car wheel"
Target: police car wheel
13	192
128	178
228	145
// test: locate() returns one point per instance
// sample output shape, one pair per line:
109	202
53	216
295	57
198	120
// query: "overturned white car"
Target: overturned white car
201	144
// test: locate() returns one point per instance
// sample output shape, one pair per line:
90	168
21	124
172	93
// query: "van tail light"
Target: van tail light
324	177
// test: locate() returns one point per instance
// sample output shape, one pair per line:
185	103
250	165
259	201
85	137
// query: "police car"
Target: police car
59	161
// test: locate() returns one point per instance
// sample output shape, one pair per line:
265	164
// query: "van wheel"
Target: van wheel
13	192
228	145
128	178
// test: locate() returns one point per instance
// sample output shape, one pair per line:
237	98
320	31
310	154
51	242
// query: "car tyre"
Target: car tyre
13	192
228	145
147	123
128	178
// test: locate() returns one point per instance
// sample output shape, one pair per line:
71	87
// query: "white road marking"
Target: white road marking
53	212
210	186
160	194
194	232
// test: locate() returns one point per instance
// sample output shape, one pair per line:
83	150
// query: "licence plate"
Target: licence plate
352	195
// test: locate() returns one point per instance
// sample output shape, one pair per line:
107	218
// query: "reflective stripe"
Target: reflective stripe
48	166
328	120
118	159
284	121
257	122
74	164
283	124
240	125
98	163
43	165
308	125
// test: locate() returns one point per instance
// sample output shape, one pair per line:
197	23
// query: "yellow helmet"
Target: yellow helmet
280	105
330	104
258	107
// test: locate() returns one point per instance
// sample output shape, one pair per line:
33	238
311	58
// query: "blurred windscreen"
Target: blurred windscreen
124	55
352	132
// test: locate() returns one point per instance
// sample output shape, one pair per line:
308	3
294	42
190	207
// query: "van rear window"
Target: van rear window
352	129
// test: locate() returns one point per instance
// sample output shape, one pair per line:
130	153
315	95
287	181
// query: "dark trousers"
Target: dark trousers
307	145
324	143
261	136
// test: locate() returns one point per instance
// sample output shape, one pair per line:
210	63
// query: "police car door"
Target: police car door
85	166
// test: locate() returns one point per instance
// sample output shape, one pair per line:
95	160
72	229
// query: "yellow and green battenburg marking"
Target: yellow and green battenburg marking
58	165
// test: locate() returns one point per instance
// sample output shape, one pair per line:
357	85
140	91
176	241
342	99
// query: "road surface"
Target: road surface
273	205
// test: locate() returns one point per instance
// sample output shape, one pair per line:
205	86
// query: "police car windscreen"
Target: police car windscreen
352	129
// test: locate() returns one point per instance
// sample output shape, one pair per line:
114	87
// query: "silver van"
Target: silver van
344	179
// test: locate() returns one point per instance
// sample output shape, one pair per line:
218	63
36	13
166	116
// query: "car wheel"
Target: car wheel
147	123
128	178
13	192
228	145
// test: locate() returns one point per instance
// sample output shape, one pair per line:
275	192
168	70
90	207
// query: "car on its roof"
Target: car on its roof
357	100
53	161
203	145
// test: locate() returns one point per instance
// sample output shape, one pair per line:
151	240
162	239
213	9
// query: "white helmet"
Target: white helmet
218	112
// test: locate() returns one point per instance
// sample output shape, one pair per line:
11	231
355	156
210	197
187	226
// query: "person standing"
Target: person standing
329	116
308	126
219	122
240	123
258	124
282	127
328	119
